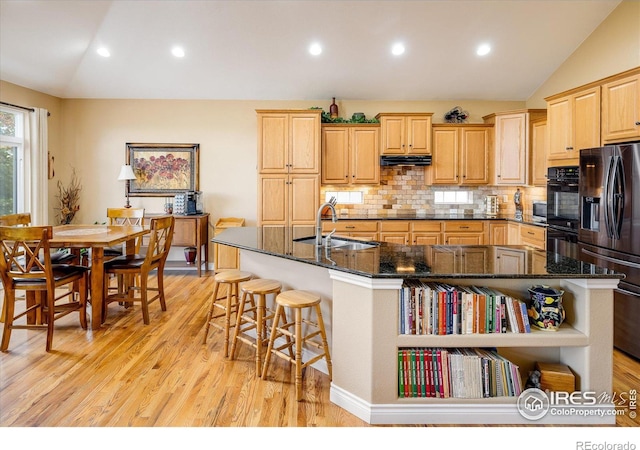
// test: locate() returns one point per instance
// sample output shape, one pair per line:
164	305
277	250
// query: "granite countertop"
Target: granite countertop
386	260
415	215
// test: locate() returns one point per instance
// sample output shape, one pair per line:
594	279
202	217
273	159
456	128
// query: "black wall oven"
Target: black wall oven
563	210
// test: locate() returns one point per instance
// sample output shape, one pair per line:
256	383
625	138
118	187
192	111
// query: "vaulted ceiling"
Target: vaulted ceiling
259	49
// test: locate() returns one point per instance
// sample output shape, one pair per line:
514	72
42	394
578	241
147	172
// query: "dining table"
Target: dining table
96	238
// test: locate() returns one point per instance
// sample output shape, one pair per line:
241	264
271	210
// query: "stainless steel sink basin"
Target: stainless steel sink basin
337	243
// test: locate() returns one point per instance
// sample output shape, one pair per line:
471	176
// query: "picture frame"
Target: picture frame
163	170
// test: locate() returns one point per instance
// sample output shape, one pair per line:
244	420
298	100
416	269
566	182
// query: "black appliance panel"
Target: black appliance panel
562	242
563	198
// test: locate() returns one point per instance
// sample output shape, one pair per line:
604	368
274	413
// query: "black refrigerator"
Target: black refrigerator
609	232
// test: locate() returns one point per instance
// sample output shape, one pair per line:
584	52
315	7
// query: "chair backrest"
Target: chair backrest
159	241
125	216
12	220
25	255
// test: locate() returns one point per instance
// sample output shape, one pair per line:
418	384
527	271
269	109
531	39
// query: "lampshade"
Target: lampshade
126	173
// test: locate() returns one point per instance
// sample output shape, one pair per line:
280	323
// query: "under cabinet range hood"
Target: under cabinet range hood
405	160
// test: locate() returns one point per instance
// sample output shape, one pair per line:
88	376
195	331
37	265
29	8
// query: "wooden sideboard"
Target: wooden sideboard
190	231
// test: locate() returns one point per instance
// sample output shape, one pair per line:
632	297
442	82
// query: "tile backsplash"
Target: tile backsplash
405	188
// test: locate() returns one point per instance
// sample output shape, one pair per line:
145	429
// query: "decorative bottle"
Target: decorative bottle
333	109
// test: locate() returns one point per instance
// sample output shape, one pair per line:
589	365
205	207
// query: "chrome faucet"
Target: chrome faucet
334	218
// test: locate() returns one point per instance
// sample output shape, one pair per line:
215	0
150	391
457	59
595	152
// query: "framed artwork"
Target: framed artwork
163	170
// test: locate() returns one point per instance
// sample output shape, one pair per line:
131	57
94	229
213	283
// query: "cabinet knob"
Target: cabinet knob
637	123
569	148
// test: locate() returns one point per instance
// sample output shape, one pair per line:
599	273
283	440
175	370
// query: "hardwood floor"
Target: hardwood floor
161	375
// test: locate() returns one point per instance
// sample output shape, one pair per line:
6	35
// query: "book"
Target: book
525	317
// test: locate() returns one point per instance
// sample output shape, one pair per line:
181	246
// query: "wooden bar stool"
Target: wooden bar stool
253	314
297	301
227	304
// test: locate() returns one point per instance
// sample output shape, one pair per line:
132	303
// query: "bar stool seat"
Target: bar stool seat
253	314
297	300
227	304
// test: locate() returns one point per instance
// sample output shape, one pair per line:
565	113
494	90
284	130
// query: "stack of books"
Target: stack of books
439	309
456	373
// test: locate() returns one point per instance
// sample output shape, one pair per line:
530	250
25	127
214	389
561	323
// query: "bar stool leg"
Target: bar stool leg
233	289
214	297
298	342
272	338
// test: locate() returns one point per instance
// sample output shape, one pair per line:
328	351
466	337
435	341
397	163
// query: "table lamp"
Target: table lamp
126	174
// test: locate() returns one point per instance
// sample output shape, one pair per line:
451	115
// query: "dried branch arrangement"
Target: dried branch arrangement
68	199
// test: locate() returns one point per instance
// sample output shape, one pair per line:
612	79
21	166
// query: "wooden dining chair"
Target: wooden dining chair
127	267
124	216
24	220
14	220
25	264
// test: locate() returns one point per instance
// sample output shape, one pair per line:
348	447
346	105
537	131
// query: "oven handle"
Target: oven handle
611	259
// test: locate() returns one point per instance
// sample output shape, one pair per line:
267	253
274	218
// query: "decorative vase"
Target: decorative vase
333	109
190	255
546	311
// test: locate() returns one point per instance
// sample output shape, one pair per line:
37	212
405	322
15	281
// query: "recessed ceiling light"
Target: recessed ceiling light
397	49
315	49
104	51
483	49
178	52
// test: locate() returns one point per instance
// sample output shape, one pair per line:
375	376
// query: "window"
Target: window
453	197
11	160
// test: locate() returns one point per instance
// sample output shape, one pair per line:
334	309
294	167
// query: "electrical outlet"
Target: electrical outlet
505	198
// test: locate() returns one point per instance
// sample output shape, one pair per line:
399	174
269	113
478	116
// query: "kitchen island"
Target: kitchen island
360	289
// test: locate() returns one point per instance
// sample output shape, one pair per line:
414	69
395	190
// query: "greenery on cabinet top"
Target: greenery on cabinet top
326	118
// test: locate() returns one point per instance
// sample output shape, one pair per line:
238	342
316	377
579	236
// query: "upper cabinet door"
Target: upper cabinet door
511	149
418	135
559	128
474	151
335	155
621	109
444	164
273	142
304	152
393	135
586	120
365	165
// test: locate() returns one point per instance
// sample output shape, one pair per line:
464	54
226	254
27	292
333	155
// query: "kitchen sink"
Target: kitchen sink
337	243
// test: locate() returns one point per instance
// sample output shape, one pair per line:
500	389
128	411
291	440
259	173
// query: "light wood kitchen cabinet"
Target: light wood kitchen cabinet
288	199
463	232
426	232
573	123
224	256
405	133
498	233
452	260
394	231
289	141
621	108
461	154
362	229
539	151
288	166
350	154
513	144
533	235
510	260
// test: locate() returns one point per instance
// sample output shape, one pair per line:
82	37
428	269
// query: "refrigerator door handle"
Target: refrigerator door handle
618	196
608	198
611	259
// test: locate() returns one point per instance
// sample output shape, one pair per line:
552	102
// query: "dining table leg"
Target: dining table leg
97	281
